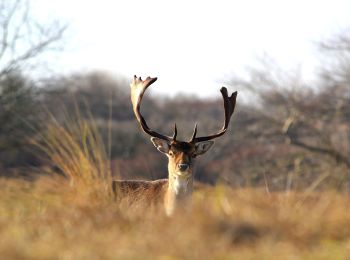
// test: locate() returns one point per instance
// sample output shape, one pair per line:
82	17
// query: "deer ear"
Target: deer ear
160	144
203	147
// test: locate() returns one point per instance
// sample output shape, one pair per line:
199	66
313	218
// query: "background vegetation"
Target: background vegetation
288	136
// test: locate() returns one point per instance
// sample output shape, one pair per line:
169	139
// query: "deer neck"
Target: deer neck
179	191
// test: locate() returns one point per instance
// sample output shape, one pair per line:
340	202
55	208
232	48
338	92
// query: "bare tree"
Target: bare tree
314	118
23	38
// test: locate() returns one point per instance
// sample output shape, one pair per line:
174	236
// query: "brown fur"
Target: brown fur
177	189
152	191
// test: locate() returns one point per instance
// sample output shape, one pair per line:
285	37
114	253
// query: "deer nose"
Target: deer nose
183	166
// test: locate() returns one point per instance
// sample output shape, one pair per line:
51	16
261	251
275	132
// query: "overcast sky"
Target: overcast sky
191	46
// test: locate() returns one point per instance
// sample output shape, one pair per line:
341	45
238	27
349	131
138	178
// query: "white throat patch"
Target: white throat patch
180	185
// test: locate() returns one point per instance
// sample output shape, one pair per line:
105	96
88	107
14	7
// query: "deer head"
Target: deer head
181	154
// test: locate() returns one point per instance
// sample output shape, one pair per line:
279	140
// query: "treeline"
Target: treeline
289	135
289	138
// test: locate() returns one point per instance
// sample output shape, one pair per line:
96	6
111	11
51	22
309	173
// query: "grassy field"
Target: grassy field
75	216
52	219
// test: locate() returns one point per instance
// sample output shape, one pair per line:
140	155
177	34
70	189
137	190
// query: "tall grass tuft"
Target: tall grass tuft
75	149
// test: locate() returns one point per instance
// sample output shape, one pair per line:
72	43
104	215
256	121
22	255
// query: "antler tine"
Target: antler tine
175	133
194	133
138	88
229	106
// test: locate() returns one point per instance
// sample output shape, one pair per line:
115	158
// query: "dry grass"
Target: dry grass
76	151
48	219
74	216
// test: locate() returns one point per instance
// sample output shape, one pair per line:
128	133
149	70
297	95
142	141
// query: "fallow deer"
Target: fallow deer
175	191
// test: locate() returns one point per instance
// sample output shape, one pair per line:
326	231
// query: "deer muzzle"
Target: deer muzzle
183	167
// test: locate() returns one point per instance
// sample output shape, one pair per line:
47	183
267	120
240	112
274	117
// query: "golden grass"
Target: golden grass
74	216
48	219
77	152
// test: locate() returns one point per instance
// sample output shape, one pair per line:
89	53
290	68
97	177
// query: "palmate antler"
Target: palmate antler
229	105
138	88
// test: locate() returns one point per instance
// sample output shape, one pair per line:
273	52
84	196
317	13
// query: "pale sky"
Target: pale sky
192	46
